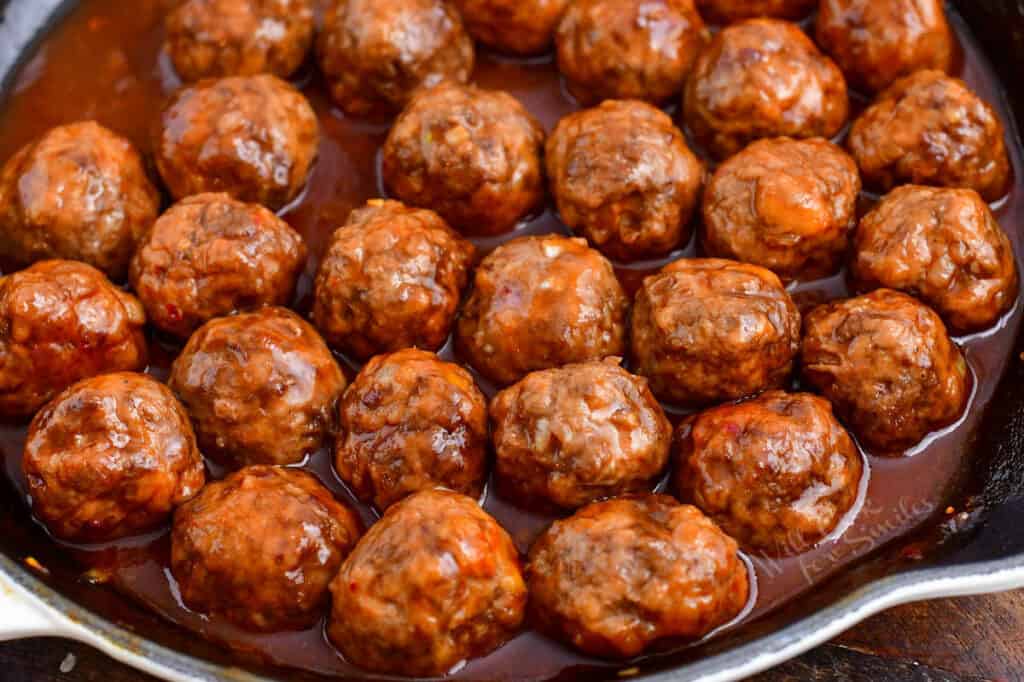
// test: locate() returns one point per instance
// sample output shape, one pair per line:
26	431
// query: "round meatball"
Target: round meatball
435	582
709	330
727	11
391	278
410	422
930	129
79	192
111	456
62	321
261	387
644	213
786	205
520	27
628	49
253	137
260	548
763	78
777	472
472	155
622	575
541	302
214	38
888	366
376	54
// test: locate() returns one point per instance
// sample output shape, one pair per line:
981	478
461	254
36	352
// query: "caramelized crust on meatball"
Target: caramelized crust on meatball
727	11
522	27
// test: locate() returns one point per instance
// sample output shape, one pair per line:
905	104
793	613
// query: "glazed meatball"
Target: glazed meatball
209	255
579	433
253	137
727	11
260	548
79	192
888	366
376	54
763	78
261	387
777	472
62	321
930	129
435	582
214	38
410	422
786	205
709	330
472	155
392	278
111	456
623	575
521	27
644	213
943	246
541	302
628	49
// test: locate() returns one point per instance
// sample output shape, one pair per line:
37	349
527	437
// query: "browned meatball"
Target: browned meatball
777	472
623	575
930	129
260	548
786	205
726	11
522	27
377	53
409	422
763	78
392	278
62	321
709	330
209	255
111	456
644	213
253	137
472	155
433	583
541	302
79	192
628	49
261	387
888	366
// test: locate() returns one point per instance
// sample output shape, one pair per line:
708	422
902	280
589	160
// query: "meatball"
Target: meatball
472	155
930	129
777	472
209	255
763	78
888	366
435	582
260	548
644	213
214	38
409	422
709	330
253	137
786	205
628	49
62	321
520	27
726	11
392	278
622	575
261	387
111	456
79	192
376	54
579	433
540	302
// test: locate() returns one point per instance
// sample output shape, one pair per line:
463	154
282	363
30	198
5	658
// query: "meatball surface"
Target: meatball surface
644	213
727	11
472	155
435	582
521	27
622	575
78	192
540	302
111	456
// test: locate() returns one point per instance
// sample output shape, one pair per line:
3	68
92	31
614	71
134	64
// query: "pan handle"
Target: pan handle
23	614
